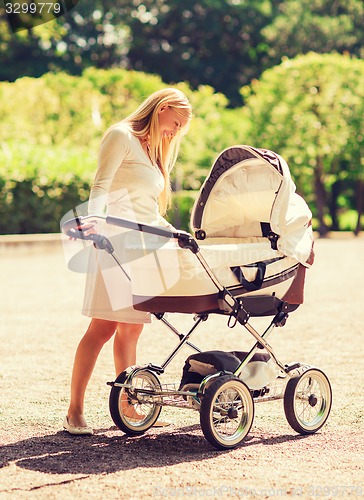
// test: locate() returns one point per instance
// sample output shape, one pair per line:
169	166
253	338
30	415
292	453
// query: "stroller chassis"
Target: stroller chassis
224	401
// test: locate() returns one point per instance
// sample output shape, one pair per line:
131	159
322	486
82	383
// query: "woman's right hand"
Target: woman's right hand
91	227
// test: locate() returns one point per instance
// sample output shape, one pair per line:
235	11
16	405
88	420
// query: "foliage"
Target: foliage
308	109
211	42
51	127
322	26
182	203
40	183
311	109
36	205
221	43
89	35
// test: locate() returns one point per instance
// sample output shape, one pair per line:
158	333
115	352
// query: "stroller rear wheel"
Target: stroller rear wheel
134	409
307	401
227	412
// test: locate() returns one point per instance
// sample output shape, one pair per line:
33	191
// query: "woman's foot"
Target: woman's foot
162	423
77	427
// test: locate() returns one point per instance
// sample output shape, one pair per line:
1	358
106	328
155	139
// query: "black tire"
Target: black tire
227	412
137	398
307	401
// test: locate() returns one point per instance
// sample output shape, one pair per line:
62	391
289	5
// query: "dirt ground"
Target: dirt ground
40	327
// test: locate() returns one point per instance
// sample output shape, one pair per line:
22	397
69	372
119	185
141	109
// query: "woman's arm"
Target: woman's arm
113	150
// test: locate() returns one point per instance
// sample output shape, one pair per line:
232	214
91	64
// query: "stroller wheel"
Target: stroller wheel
134	409
227	412
307	401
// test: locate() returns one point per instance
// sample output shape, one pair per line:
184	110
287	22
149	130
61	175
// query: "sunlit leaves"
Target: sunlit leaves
311	110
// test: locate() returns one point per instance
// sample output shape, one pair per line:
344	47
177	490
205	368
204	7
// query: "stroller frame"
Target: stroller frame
225	402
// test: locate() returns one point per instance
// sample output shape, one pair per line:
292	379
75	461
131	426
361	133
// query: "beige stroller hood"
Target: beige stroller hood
249	192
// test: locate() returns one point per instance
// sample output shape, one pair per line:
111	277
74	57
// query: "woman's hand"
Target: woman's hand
91	227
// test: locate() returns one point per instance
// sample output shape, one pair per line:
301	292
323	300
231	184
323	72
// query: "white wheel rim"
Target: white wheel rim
312	398
232	398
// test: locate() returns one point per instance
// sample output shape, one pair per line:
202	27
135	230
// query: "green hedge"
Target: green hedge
32	206
39	184
179	214
51	128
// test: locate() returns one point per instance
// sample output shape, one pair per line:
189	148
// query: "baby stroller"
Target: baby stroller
251	247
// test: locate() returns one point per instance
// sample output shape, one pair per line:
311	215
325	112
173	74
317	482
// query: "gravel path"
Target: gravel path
40	327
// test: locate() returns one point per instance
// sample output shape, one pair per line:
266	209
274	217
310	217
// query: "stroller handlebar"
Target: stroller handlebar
140	226
185	240
75	228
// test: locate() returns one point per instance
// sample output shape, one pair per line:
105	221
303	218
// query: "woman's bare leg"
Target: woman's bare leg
125	344
97	334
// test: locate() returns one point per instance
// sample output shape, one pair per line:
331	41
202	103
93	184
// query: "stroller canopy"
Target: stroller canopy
249	192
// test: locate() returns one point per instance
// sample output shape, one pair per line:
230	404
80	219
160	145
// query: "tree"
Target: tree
210	42
87	36
310	110
20	54
301	26
221	43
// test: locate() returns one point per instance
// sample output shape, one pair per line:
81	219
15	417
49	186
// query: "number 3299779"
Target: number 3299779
33	8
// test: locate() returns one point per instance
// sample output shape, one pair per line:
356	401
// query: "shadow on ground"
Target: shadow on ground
107	452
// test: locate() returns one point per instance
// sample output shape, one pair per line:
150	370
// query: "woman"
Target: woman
132	181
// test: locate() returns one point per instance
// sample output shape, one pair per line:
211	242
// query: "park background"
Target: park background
285	75
281	75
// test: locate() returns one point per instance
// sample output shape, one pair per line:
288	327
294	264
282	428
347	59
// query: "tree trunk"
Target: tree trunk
359	204
321	197
335	192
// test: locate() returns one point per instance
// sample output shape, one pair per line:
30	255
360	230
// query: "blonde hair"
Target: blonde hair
163	152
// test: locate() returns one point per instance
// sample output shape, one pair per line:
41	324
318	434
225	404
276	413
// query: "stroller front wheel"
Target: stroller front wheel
227	412
134	408
307	401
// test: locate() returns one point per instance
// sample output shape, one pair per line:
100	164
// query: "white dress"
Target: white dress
128	185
